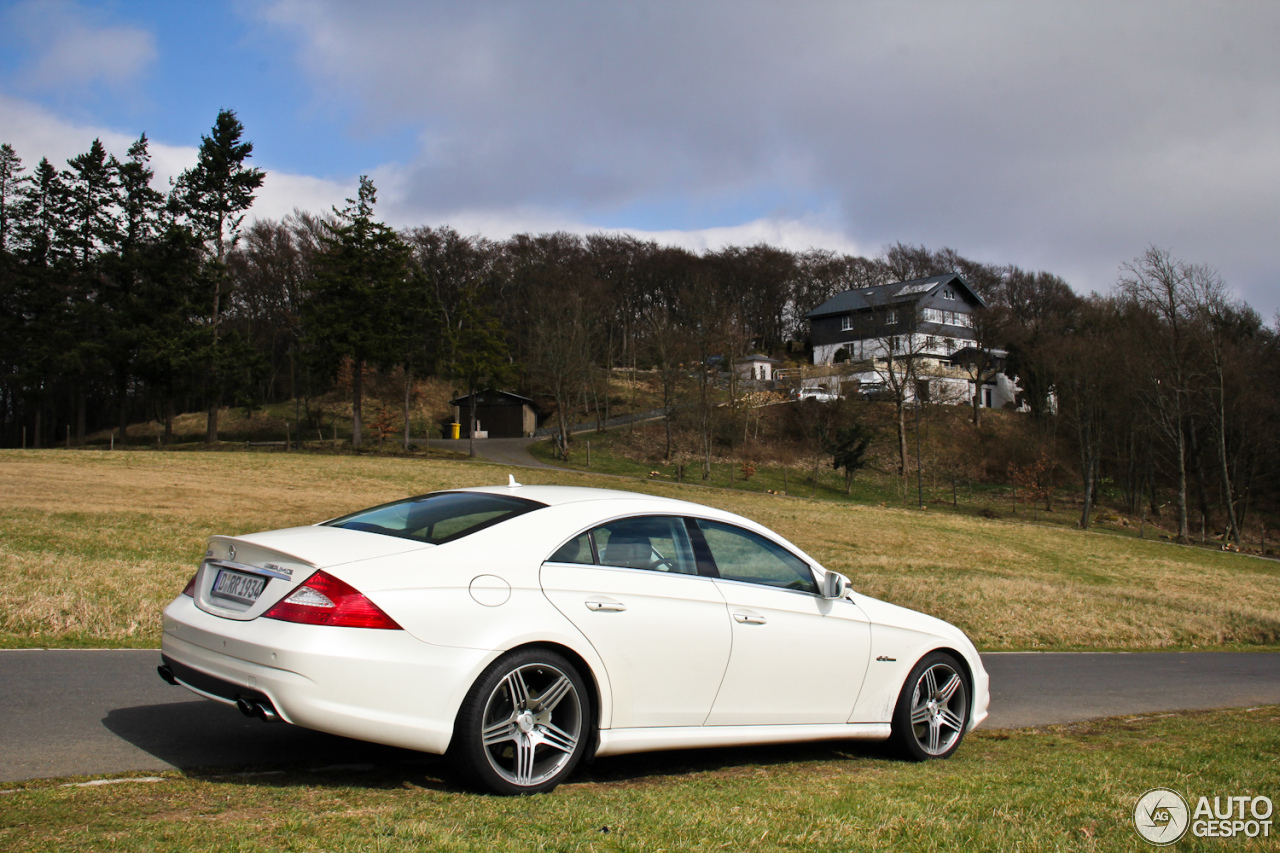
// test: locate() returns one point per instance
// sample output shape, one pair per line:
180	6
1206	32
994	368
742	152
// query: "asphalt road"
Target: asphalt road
506	451
87	712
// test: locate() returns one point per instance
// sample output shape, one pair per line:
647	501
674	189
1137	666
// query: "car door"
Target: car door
797	657
632	587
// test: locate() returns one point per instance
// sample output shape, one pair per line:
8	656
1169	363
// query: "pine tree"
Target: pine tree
140	203
213	196
11	184
93	187
362	275
42	206
129	300
44	330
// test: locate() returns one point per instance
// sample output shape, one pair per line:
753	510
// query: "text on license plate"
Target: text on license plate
238	587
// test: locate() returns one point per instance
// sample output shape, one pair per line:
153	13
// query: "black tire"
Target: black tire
933	709
506	740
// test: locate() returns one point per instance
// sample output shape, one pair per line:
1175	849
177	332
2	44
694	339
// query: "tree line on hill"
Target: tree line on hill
123	303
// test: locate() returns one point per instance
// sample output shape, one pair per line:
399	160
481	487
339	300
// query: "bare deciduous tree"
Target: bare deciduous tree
1158	283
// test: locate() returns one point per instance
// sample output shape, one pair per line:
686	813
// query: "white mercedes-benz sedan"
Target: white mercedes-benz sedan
517	629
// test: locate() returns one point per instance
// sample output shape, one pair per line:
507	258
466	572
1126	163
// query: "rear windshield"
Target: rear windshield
439	517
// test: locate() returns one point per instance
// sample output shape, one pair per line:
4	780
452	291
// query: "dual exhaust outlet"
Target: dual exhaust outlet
261	709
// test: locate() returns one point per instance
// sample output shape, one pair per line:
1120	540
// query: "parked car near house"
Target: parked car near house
519	629
819	394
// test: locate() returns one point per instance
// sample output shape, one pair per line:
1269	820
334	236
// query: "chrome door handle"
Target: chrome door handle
750	618
597	605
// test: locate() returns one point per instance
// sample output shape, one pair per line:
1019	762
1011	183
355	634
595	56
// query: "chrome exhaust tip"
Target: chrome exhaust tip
262	710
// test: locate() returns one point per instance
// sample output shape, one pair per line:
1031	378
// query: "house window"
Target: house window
931	343
933	315
948	293
986	398
846	322
963	320
890	317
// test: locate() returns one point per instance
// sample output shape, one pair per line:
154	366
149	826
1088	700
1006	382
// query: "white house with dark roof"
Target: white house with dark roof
931	317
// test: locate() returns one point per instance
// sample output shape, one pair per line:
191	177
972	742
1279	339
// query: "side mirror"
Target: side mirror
834	585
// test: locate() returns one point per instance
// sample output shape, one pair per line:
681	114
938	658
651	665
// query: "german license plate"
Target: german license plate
238	587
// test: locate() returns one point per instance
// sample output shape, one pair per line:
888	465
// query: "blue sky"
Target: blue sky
1057	136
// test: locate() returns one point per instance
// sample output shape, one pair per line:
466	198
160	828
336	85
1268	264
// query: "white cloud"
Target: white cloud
282	193
1056	136
796	235
36	132
69	50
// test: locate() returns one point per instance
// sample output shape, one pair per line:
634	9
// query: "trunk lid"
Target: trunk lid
241	577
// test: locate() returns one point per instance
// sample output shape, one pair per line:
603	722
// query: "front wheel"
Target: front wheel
933	709
524	725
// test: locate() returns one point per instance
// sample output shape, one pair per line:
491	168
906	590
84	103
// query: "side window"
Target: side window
656	543
576	550
741	555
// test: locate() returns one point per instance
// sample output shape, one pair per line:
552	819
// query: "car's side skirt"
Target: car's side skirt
623	741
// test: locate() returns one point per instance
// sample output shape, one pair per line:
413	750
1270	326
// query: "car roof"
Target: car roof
558	495
585	502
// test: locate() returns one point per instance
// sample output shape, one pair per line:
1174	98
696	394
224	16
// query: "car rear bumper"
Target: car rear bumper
374	685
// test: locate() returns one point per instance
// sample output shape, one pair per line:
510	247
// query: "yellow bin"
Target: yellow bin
455	430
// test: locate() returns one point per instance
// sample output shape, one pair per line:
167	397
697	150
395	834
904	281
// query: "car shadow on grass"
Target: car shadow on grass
207	740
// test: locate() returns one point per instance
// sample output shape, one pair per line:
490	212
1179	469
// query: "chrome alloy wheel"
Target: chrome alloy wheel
532	723
939	708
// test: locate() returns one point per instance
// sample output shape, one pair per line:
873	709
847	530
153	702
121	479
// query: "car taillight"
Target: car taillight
190	588
322	599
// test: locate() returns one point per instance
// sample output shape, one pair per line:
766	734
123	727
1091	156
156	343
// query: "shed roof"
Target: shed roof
493	398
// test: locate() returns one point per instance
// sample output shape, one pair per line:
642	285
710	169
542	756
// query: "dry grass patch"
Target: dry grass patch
94	544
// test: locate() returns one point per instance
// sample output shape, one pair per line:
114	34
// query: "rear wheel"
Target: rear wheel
524	725
933	709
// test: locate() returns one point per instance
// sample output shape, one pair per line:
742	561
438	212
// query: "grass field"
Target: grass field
1062	788
93	544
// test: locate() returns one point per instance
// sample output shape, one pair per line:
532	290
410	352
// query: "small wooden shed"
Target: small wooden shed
499	414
